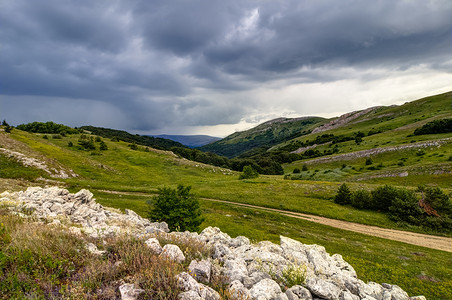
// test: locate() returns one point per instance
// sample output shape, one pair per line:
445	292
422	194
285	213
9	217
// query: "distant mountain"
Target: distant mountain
264	135
191	141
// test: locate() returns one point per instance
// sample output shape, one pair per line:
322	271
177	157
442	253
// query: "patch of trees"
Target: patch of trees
144	140
436	126
262	164
323	139
47	127
427	206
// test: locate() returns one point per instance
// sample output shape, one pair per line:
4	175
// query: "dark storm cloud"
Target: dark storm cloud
153	64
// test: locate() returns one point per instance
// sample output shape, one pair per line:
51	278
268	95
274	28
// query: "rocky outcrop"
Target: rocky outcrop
79	210
27	161
288	270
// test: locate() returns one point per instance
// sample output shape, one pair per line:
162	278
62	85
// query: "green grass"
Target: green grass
10	168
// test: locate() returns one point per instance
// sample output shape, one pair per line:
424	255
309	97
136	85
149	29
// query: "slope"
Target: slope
265	135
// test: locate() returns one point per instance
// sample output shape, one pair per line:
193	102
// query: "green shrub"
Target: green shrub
344	195
383	196
404	206
361	199
304	168
177	207
369	161
438	200
296	171
248	173
103	146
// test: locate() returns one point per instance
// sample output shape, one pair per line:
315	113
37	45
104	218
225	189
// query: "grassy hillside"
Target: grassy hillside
265	135
126	177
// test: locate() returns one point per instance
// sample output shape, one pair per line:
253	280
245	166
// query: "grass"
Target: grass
12	169
39	261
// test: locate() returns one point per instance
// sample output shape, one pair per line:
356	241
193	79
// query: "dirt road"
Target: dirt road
424	240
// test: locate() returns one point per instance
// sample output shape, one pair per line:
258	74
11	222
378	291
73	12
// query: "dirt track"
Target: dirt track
424	240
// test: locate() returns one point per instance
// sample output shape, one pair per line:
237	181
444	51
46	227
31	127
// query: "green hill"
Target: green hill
265	135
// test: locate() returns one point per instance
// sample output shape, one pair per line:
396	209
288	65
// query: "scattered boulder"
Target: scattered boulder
201	270
129	292
154	244
173	252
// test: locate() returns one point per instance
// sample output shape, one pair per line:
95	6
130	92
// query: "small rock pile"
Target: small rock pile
261	271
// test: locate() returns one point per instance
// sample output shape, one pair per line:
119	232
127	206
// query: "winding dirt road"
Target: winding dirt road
424	240
418	239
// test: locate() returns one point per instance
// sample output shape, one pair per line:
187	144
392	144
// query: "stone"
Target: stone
173	252
235	269
200	270
189	295
266	289
84	196
396	292
93	249
154	245
129	292
371	289
187	283
300	292
255	278
208	293
281	296
346	295
323	288
237	290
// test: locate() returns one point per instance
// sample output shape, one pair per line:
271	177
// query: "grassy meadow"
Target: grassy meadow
124	178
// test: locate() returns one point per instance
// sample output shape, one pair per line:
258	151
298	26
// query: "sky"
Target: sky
216	67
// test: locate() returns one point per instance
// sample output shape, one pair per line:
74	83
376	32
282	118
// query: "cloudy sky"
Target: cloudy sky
215	67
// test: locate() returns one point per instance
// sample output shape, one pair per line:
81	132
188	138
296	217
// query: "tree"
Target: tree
177	207
248	173
343	196
103	146
383	196
361	199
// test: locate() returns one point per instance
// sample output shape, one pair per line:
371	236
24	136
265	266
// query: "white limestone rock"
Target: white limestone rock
154	244
129	292
173	252
201	270
265	289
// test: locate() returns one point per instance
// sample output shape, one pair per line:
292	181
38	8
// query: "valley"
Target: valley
298	204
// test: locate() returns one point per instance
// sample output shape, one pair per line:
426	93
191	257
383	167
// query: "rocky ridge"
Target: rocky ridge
290	270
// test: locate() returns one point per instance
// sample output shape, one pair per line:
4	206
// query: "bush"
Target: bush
103	146
304	168
369	161
383	196
361	199
343	196
438	200
405	207
296	171
248	173
177	207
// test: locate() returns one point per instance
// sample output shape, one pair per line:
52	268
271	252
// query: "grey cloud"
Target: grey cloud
153	64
